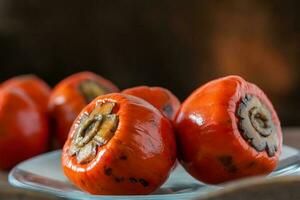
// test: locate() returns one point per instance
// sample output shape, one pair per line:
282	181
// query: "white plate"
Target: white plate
43	173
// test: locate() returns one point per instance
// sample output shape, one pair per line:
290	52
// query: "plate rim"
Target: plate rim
200	192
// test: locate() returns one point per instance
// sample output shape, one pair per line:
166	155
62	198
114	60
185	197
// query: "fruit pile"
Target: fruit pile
127	142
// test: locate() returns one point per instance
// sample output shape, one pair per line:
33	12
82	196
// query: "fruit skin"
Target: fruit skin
137	159
34	87
66	102
159	97
24	128
208	135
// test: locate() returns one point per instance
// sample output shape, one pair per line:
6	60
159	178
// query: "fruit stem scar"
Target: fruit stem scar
93	131
90	90
256	125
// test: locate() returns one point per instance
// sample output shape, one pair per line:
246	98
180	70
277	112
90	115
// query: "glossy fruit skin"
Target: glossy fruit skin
66	102
159	97
207	130
137	159
24	128
34	87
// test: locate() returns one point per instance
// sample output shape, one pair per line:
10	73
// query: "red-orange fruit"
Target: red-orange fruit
159	97
24	128
33	86
70	96
228	129
119	145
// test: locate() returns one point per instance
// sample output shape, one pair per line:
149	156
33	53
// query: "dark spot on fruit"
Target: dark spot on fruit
168	110
228	163
143	182
123	157
107	171
132	180
226	160
232	169
251	164
82	182
119	179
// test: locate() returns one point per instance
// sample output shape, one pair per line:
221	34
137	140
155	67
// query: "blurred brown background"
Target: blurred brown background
172	43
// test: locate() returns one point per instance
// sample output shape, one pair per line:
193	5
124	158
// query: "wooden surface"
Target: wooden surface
259	188
291	137
8	192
